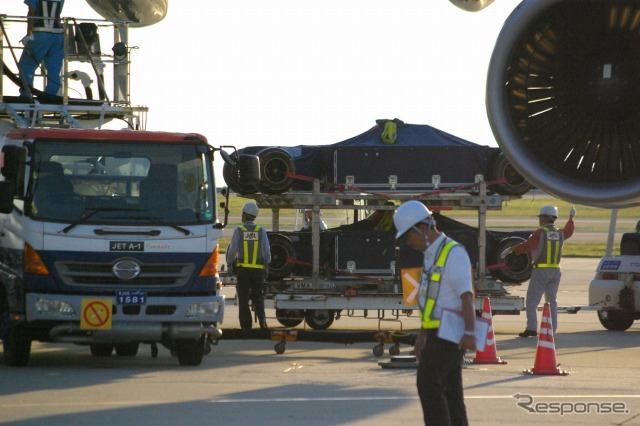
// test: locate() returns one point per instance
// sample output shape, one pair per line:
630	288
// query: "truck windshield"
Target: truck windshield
113	182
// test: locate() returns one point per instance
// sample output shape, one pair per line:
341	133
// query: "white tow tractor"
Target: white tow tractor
615	288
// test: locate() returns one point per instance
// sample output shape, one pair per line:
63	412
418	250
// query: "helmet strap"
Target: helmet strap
424	234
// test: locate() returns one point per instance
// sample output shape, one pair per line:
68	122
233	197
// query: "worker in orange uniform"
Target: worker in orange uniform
545	246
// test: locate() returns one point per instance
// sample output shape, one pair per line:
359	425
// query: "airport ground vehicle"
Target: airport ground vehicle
615	289
319	276
108	238
359	270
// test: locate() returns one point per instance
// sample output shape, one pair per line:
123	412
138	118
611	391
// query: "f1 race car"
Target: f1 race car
412	157
368	247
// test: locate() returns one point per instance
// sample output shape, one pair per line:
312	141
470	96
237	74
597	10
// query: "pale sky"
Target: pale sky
293	72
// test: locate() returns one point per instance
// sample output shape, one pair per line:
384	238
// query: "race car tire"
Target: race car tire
518	268
281	251
233	177
515	184
275	166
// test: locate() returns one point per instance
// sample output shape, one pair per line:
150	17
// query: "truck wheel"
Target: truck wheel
275	164
281	251
101	349
515	183
290	317
190	351
127	349
16	341
319	319
615	320
231	175
518	268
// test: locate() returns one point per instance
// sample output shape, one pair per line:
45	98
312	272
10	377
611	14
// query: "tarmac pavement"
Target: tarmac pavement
320	383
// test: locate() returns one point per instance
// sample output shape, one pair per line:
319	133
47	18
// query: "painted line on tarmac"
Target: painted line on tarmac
550	396
396	398
271	400
319	399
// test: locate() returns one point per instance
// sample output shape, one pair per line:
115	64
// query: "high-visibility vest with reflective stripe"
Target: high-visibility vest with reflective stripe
551	240
430	286
251	254
48	16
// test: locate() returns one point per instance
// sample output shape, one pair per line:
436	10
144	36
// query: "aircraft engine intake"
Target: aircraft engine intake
563	98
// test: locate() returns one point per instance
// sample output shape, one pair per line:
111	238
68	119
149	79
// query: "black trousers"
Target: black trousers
249	287
440	382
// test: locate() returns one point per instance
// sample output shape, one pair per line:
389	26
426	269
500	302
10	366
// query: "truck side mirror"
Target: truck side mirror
227	158
7	192
14	161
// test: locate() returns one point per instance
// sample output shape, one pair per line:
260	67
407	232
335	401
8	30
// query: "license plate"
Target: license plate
303	286
131	297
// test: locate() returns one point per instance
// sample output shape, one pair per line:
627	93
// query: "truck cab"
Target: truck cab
108	238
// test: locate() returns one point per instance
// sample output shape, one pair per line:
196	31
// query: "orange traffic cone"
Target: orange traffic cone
546	353
489	355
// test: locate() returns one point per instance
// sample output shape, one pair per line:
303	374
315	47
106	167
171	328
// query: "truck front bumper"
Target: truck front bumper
86	319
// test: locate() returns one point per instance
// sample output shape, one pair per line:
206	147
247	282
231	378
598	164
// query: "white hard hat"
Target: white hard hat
410	214
250	208
551	211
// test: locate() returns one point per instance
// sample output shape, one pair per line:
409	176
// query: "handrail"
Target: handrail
82	54
87	50
15	59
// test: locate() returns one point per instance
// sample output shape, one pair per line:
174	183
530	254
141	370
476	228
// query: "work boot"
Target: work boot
528	333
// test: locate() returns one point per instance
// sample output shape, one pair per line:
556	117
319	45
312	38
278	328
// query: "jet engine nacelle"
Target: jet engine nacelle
471	5
140	13
563	98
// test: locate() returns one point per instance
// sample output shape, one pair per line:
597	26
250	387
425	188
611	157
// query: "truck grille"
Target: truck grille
101	274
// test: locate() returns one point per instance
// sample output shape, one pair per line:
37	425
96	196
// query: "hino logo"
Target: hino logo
126	269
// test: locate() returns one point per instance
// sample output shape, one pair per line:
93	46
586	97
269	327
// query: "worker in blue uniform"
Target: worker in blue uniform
44	42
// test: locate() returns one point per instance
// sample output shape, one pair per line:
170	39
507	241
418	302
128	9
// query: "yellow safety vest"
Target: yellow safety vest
551	241
430	286
251	257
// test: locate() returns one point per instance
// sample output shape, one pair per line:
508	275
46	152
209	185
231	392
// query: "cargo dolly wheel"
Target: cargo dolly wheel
378	350
280	347
384	337
282	336
394	350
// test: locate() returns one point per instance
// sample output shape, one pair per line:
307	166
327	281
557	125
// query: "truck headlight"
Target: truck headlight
56	307
204	310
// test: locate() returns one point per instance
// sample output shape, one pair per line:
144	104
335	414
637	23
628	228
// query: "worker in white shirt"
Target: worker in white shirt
445	284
